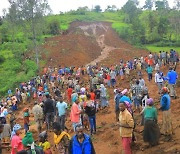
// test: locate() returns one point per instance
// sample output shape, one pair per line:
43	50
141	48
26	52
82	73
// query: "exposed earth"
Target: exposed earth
90	43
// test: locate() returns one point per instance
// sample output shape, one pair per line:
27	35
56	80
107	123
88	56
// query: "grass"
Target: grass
153	48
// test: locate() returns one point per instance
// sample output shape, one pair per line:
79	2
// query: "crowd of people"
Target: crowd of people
79	93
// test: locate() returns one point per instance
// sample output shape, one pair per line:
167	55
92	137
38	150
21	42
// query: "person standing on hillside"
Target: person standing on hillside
151	132
172	78
137	93
90	110
61	108
81	143
113	78
165	108
126	124
38	115
49	111
75	114
149	70
159	80
117	97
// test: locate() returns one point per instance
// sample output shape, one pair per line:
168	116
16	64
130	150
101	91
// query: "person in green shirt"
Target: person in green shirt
151	132
149	71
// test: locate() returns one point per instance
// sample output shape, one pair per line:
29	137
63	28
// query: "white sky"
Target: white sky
66	5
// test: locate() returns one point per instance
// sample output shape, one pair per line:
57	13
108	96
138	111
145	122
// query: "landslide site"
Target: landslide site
96	42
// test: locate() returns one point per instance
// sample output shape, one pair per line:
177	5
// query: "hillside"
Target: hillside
108	49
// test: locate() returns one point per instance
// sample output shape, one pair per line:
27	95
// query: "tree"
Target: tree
163	26
97	8
82	10
13	18
1	20
131	10
161	5
148	4
177	4
111	8
31	13
54	27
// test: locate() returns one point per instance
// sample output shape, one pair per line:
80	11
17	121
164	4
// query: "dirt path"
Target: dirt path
92	30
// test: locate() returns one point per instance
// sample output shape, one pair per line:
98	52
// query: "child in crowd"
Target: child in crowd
44	143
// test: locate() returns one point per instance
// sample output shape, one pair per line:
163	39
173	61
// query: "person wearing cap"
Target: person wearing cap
38	115
16	141
126	124
172	77
151	131
165	103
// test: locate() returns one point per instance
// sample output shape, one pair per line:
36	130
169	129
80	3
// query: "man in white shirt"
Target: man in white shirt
159	80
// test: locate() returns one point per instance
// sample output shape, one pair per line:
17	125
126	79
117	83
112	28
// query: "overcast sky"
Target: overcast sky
66	5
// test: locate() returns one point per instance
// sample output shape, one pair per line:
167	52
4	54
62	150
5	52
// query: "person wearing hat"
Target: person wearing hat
30	146
165	103
16	141
151	131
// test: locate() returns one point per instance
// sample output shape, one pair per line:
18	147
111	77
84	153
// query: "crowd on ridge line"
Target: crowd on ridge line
85	99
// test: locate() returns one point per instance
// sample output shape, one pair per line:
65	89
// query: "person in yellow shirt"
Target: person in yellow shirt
44	143
126	124
61	139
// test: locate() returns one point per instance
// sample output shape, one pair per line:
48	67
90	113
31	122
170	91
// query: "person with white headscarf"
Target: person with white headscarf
103	97
16	141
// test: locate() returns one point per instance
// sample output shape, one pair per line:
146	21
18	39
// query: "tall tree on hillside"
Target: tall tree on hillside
131	10
175	24
97	8
13	18
148	4
31	12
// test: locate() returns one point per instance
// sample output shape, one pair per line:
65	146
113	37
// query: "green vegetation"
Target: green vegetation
20	34
157	49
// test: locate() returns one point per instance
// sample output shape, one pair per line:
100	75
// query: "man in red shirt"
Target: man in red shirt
75	114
